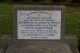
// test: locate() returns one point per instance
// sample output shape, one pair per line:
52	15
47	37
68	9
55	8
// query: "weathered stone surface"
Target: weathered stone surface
72	42
0	43
0	50
38	47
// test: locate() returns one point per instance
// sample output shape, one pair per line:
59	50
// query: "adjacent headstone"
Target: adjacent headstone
39	22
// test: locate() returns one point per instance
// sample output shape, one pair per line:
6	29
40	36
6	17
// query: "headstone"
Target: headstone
39	22
36	28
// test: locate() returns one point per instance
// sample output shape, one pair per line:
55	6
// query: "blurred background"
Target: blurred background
72	15
60	1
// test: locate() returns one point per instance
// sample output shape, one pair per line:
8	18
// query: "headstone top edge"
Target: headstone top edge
52	6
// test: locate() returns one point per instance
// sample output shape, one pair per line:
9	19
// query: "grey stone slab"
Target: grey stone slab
39	7
75	50
72	42
5	43
38	47
0	43
0	50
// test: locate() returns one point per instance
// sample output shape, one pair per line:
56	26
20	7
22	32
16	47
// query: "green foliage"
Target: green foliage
6	18
72	21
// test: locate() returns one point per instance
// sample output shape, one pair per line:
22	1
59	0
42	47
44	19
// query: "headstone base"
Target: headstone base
15	44
38	47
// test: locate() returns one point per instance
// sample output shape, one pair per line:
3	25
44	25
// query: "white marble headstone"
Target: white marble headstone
38	24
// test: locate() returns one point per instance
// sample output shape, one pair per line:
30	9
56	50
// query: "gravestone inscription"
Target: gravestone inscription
39	22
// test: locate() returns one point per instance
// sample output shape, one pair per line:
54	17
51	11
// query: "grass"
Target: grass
6	19
72	20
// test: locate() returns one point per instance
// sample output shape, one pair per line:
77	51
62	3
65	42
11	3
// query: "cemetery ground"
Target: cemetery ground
72	20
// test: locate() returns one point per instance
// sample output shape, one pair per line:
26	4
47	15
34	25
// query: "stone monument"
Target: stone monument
38	29
39	22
